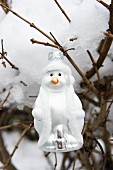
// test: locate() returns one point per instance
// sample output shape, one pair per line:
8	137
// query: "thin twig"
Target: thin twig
3	56
74	162
70	49
55	161
4	154
23	83
104	4
12	65
20	125
73	39
46	154
33	96
4	101
16	146
43	43
103	53
101	148
28	22
109	93
101	116
108	110
110	35
94	65
62	10
55	40
91	100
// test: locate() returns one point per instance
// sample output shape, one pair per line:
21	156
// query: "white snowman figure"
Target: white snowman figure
58	113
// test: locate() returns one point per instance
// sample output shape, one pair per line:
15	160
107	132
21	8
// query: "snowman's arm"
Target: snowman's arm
76	116
37	111
77	110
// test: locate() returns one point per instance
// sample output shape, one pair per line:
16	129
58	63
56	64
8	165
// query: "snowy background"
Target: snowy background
89	21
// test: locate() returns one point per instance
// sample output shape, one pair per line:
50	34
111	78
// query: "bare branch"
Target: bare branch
103	53
43	43
30	23
73	39
94	64
62	10
4	155
55	161
102	115
104	4
20	125
111	18
3	56
4	101
16	146
23	83
110	35
91	100
33	96
109	93
46	154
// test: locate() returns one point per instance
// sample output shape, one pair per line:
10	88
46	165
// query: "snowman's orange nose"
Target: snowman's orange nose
54	81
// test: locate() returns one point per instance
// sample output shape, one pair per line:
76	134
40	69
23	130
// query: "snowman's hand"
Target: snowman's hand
37	114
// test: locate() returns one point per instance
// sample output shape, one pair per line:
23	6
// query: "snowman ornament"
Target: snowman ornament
58	114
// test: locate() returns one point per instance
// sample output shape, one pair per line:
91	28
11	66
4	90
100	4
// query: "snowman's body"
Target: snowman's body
58	113
57	104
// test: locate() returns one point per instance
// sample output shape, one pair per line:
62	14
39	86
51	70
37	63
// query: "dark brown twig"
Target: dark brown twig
111	18
55	161
101	117
20	125
110	35
33	96
4	155
94	64
103	53
7	3
30	23
104	4
3	56
16	146
23	83
4	101
91	100
43	43
62	10
46	154
73	39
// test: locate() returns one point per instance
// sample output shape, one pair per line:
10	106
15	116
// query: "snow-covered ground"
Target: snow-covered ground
89	21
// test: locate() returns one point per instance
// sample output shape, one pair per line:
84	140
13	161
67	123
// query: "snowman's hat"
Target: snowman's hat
56	63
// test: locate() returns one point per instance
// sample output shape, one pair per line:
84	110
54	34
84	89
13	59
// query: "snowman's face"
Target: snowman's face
55	81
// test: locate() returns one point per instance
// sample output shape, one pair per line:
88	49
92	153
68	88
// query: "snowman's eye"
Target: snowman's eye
51	74
59	74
